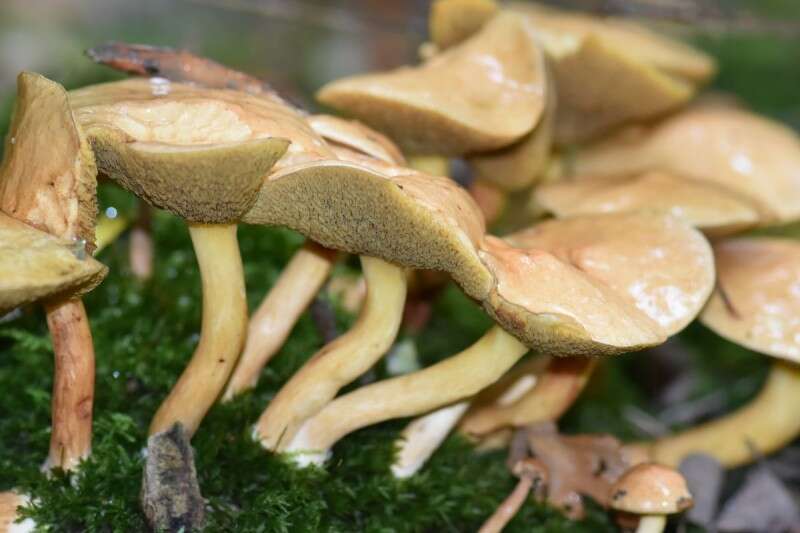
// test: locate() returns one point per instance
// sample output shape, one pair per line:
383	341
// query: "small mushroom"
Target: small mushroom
498	76
48	180
611	71
600	317
201	154
756	305
751	157
708	206
652	491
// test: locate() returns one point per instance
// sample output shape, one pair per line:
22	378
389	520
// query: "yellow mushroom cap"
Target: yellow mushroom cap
713	209
599	284
354	135
200	153
482	94
35	265
752	156
48	175
651	489
610	72
757	300
453	21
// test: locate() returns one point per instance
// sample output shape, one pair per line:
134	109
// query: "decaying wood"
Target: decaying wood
170	495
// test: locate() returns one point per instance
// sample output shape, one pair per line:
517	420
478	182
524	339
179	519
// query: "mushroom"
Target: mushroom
713	208
48	180
201	154
36	266
651	262
653	491
751	157
756	305
552	394
610	71
587	313
498	75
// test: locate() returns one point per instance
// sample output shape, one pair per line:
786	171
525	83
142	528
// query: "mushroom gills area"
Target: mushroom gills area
341	361
222	333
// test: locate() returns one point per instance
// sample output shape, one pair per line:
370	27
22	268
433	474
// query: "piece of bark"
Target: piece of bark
170	496
704	477
762	504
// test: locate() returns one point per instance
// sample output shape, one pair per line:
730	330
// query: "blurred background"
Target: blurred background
299	45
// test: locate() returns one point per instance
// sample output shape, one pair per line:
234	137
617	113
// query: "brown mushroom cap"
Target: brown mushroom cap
650	488
757	299
523	163
752	156
35	265
453	21
200	153
355	136
48	176
707	206
609	71
599	284
482	94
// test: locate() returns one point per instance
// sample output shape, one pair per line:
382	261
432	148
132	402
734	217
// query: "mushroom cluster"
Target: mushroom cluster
627	196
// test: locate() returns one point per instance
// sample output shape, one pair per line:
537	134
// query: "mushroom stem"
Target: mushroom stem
448	381
222	332
764	425
654	523
10	501
341	361
554	393
73	384
509	508
423	436
140	250
274	319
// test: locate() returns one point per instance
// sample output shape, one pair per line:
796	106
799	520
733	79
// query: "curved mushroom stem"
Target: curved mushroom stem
73	384
222	332
274	319
448	381
764	425
341	361
10	501
423	436
140	251
654	523
509	508
525	401
555	391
